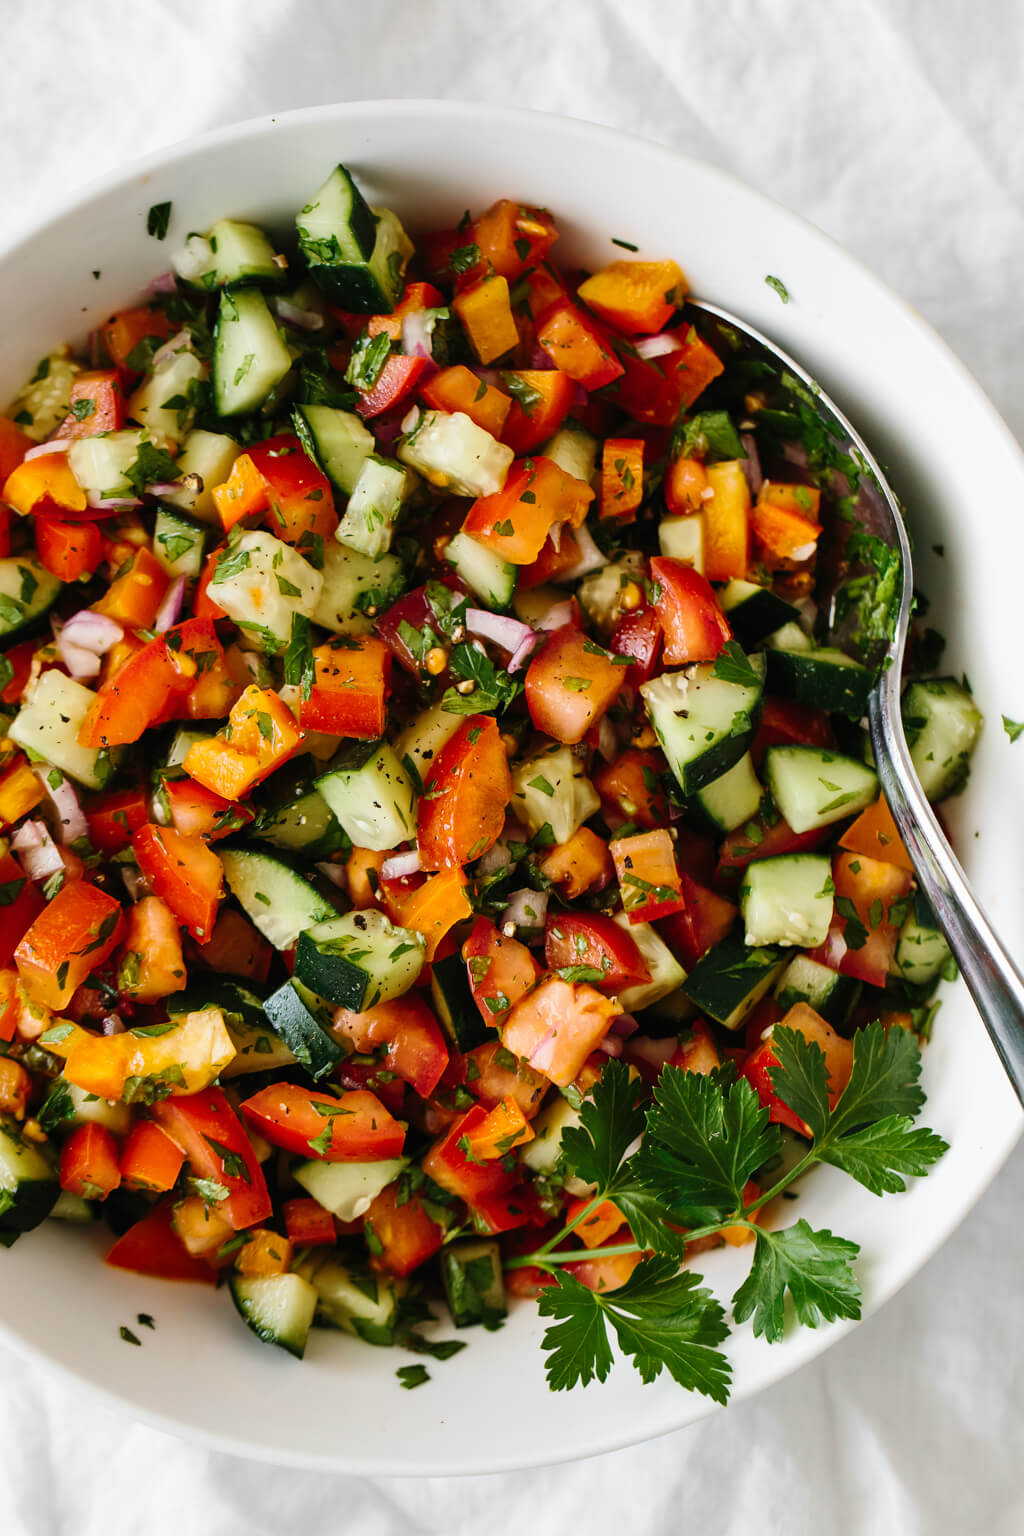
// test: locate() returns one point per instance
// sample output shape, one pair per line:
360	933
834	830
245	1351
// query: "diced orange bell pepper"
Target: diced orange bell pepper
123	332
635	296
603	1221
88	1162
436	906
21	790
15	1088
73	935
14	444
607	1274
264	1253
402	1234
260	735
134	598
541	400
504	1128
350	689
135	697
737	1236
45	482
458	389
537	496
486	313
243	493
183	1060
692	365
576	344
68	550
727	522
415	298
784	520
202	1229
197	812
579	865
183	872
151	965
149	1158
511	237
876	835
622	477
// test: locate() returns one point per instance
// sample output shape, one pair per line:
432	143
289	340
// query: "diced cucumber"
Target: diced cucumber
353	584
788	900
339	441
239	1001
48	725
114	1115
806	981
278	1308
356	1300
257	1049
733	797
551	789
682	538
348	1190
302	1021
178	543
453	453
704	723
99	464
543	1154
356	255
165	402
42	403
729	981
824	677
453	1003
790	637
235	253
280	900
486	574
373	507
473	1285
359	960
943	724
754	612
296	817
74	1209
574	450
28	1182
184	737
249	357
418	745
600	593
27	592
813	787
261	583
667	975
921	951
206	460
371	794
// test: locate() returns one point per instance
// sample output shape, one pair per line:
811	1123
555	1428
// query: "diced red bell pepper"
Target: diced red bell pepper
537	496
152	1247
786	722
505	1210
19	913
88	1162
436	906
214	1141
149	1158
350	689
197	812
467	791
73	935
649	879
570	684
97	405
297	494
697	1051
447	1164
354	1127
416	1048
630	790
401	1235
134	698
20	657
307	1223
395	383
577	344
762	839
593	940
68	550
875	833
184	873
501	970
113	818
695	627
705	918
640	636
557	1025
541	400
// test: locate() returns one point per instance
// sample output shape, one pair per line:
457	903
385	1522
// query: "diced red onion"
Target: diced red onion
497	627
611	1045
170	609
134	881
165	283
539	359
489	376
112	503
607	741
418	333
59	445
579	396
295	315
389	425
795	453
655	346
194	259
752	462
39	854
557	616
401	864
625	1024
523	651
590	557
112	1024
83	640
71	818
808	611
496	857
163	487
526	908
335	873
178	343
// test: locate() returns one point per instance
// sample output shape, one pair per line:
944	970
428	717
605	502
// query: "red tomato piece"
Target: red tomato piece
197	812
838	1060
123	332
695	627
68	550
17	917
114	818
403	1235
785	722
541	400
762	841
413	609
644	392
591	939
184	873
354	1127
691	366
396	382
577	344
468	788
416	1048
705	918
630	790
501	970
557	1025
492	1074
862	939
570	684
504	1211
649	879
639	635
88	1162
213	1140
152	1247
97	405
350	690
73	935
447	1164
298	495
307	1223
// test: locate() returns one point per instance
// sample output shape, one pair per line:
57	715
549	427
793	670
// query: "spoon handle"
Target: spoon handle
992	978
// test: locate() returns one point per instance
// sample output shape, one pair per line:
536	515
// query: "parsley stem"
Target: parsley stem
570	1226
573	1256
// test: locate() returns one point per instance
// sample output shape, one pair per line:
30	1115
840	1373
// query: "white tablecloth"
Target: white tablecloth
893	124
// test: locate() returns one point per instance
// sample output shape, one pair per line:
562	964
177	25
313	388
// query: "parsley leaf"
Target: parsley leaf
708	435
299	666
157	220
152	464
779	287
610	1121
1013	728
494	690
733	666
878	1155
814	1267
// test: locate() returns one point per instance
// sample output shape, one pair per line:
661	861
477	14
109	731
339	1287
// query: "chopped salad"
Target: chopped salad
441	855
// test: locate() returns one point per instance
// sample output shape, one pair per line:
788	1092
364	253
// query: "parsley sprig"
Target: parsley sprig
680	1169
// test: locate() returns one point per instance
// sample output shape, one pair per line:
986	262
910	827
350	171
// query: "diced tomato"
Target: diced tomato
152	1247
644	393
355	1127
630	790
763	839
512	237
537	496
307	1223
622	477
296	492
237	948
557	1025
261	734
413	609
492	1074
402	1235
197	812
552	563
596	1229
593	940
705	919
183	872
21	912
149	1158
838	1060
577	344
88	1162
693	365
448	1165
639	635
695	627
581	864
214	1141
436	906
649	879
467	790
416	1048
14	444
862	939
350	690
504	1211
20	657
113	818
457	389
501	970
97	405
785	722
152	967
541	400
696	1052
570	684
68	550
875	834
684	485
72	935
395	383
607	1274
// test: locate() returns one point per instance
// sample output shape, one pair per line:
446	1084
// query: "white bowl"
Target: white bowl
201	1374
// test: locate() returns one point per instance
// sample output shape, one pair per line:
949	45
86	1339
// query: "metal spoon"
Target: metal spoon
993	980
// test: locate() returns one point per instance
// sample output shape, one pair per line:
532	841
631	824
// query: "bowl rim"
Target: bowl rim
800	1347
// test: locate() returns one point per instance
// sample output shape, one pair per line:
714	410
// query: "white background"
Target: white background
896	127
